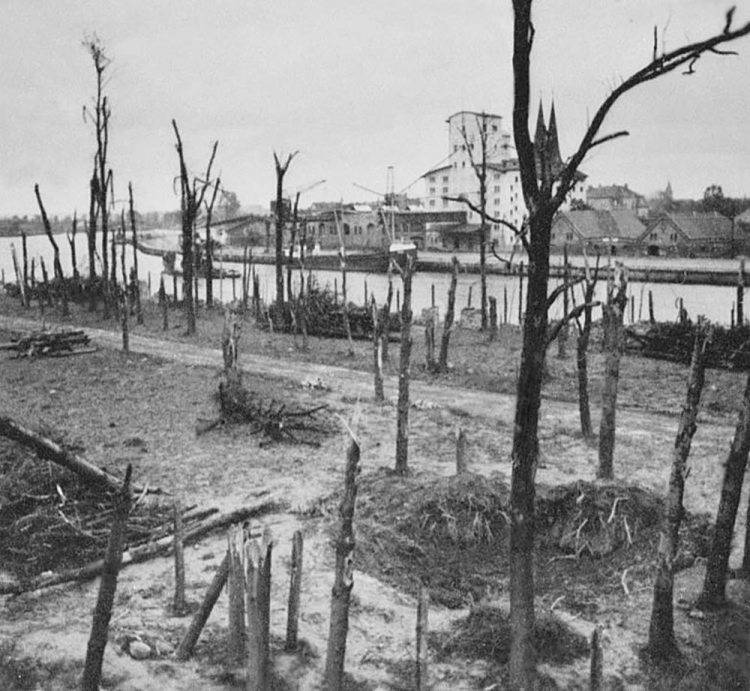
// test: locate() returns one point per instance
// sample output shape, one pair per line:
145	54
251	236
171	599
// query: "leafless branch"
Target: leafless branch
608	138
559	290
576	312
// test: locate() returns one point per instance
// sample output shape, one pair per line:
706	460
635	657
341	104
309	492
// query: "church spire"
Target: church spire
553	145
541	131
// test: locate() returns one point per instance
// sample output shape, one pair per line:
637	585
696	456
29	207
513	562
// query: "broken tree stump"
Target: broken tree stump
295	587
103	611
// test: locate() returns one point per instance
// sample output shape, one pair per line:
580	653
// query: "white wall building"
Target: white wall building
458	176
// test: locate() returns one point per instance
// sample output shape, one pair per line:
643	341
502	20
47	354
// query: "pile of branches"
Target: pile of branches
49	343
52	518
274	420
726	349
324	316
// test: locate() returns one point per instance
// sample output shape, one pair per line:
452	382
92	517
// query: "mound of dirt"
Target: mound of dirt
451	534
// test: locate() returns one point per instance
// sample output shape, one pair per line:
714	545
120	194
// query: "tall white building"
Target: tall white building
476	137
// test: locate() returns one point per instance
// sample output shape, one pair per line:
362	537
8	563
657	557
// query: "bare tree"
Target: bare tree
192	193
713	593
544	193
281	168
101	181
661	640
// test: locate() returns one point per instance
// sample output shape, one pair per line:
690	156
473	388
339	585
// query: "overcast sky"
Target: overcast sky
355	87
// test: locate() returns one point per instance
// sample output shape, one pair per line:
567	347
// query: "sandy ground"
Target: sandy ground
47	631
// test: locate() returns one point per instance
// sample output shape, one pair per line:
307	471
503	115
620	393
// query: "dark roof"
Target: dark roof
621	225
711	226
611	192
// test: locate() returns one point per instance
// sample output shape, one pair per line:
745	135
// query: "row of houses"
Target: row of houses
624	232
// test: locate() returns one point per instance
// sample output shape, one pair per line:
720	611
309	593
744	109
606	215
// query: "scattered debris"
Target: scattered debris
57	343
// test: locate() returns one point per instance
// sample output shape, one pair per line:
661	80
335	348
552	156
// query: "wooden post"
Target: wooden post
632	309
731	317
257	572
107	588
404	376
179	606
378	336
174	289
366	300
505	304
295	588
343	577
187	645
741	294
520	295
164	306
429	343
234	287
149	284
493	317
468	302
335	292
596	673
461	464
432	295
651	318
423	608
19	276
449	316
237	633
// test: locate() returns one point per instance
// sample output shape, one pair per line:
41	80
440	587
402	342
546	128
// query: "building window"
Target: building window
432	178
494	128
445	190
347	229
445	203
497	202
432	190
445	178
497	189
432	202
497	176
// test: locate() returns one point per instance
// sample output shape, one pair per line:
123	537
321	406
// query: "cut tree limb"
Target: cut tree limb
51	451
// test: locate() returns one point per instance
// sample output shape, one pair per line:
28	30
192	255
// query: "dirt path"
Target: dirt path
382	626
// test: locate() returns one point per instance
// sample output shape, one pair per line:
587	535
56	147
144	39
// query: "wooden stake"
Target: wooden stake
237	633
461	464
493	317
596	674
343	577
295	587
187	645
179	606
423	607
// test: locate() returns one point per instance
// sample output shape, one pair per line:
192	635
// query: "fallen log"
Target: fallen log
144	552
51	451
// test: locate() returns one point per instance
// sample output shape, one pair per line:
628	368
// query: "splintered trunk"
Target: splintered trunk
107	588
136	290
343	577
91	229
377	351
402	424
188	264
449	316
582	347
345	307
661	640
734	472
612	316
525	457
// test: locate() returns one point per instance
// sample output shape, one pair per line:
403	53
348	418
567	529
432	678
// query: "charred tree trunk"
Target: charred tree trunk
295	588
404	375
59	275
661	640
91	230
612	318
713	593
449	316
343	577
377	352
281	169
135	279
107	588
210	248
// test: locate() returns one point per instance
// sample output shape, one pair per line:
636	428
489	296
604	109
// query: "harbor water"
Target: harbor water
714	302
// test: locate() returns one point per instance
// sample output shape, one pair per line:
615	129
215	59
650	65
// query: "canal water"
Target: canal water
714	302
